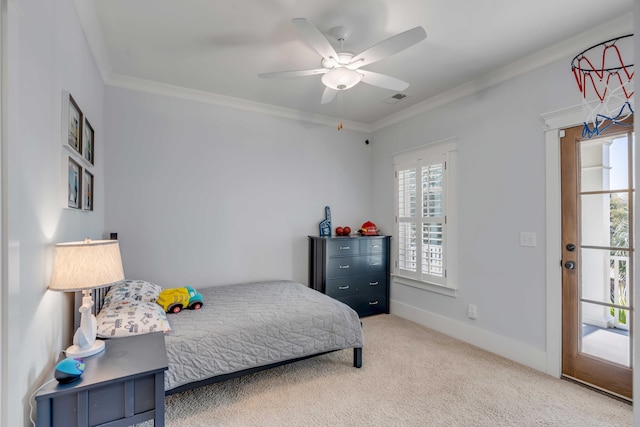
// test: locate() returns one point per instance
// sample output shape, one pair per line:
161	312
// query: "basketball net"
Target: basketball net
606	84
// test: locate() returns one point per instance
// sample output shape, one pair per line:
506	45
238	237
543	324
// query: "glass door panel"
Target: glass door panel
605	219
604	193
604	164
611	344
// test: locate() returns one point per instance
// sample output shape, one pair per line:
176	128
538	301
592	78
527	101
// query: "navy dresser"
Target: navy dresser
352	269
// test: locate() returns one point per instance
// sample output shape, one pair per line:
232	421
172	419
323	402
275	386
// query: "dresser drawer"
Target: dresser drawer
373	246
349	266
344	266
372	263
369	284
366	305
338	287
342	247
362	284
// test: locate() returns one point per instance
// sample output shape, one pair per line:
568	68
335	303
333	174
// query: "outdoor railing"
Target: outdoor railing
619	291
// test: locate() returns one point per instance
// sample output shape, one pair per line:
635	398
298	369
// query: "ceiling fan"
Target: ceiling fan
341	70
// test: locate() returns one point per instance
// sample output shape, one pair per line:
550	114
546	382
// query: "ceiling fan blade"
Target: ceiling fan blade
314	38
293	73
389	47
383	81
328	95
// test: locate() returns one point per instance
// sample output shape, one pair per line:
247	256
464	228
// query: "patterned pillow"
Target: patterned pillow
133	290
126	318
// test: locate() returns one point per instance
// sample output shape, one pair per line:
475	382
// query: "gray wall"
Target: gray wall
205	195
47	53
501	192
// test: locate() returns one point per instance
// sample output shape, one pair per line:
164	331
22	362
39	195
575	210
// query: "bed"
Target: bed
240	329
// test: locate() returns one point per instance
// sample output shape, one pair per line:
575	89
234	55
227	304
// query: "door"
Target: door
597	246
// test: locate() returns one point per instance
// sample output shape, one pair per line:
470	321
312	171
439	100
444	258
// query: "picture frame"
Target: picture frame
87	191
74	184
88	141
75	121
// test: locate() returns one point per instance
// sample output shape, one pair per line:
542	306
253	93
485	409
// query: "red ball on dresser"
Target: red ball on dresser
346	231
339	231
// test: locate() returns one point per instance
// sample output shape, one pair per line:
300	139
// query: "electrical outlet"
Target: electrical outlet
472	311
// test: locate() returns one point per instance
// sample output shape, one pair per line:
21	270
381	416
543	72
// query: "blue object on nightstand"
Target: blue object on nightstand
69	370
325	224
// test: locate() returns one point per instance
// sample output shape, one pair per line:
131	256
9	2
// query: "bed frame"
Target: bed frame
98	296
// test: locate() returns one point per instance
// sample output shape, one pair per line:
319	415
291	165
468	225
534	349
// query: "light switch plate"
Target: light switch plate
527	238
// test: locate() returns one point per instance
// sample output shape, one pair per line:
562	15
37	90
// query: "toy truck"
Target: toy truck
174	300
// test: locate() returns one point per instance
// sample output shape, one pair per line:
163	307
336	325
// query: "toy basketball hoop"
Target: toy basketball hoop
606	84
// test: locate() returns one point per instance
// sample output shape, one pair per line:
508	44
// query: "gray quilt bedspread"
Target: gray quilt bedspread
255	324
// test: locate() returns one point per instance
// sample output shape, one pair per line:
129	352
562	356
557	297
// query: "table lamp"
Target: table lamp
83	266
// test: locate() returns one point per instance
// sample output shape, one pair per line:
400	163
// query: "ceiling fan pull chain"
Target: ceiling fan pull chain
341	110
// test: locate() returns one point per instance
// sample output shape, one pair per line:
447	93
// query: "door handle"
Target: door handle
570	265
571	247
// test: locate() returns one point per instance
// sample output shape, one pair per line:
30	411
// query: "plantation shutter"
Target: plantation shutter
421	215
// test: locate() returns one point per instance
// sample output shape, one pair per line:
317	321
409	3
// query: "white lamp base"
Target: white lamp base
77	351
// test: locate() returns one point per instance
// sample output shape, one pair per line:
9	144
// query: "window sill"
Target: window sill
425	286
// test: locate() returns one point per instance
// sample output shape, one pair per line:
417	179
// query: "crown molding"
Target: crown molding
91	27
148	86
89	21
564	50
560	51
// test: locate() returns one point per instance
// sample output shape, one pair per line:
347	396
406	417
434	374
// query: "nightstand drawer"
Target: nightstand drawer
121	386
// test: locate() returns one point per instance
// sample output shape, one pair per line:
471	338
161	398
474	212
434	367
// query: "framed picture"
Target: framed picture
88	136
87	191
74	184
74	126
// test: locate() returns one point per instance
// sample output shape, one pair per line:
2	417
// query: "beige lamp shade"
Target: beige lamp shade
86	265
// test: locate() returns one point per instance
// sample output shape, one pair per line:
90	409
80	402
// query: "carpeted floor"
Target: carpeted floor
411	376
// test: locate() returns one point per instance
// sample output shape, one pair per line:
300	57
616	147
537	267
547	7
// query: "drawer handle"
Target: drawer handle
374	302
344	248
375	246
373	283
375	263
344	266
342	288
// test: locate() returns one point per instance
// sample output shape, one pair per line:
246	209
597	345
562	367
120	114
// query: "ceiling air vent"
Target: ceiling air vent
395	98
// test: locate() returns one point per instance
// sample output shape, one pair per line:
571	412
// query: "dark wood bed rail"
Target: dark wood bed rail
357	363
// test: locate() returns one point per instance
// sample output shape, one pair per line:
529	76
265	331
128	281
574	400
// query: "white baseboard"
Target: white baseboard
505	347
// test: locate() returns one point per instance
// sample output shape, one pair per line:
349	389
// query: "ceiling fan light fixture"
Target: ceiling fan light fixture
341	78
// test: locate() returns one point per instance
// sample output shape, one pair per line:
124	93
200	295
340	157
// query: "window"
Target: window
425	218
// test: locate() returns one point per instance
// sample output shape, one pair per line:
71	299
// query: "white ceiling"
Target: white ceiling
216	48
